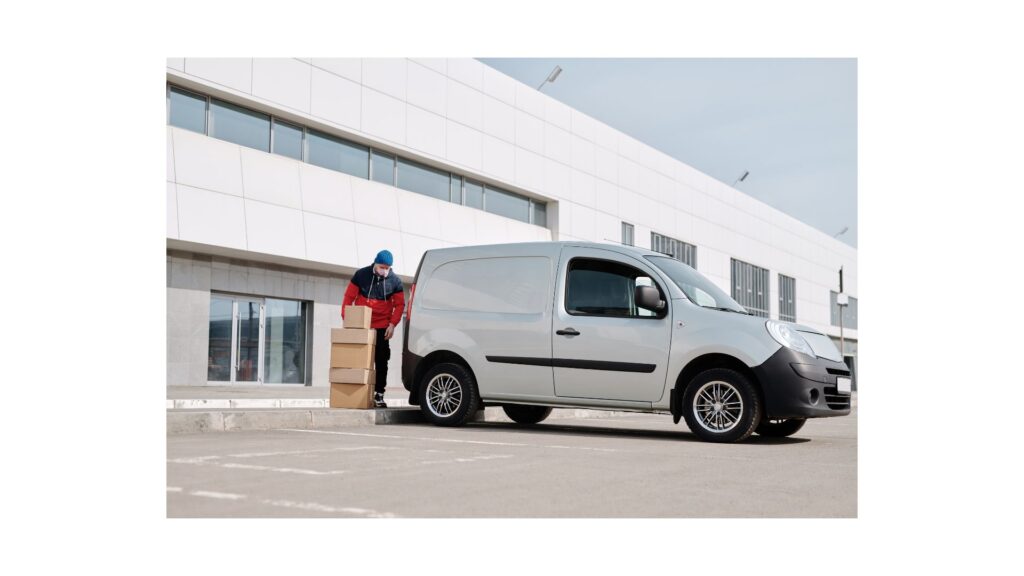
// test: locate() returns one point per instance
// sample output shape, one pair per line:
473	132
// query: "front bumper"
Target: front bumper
799	386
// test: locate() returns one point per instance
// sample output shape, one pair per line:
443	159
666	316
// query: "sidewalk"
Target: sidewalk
266	396
199	409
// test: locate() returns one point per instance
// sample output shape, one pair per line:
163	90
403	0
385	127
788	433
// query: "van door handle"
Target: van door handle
568	332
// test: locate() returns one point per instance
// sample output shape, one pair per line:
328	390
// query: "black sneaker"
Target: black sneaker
378	400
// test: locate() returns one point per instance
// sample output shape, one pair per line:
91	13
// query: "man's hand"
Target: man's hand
389	332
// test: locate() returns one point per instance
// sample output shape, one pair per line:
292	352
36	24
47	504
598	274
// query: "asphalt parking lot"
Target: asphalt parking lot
635	466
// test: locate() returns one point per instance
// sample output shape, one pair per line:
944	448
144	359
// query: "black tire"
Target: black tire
721	405
780	428
521	414
448	395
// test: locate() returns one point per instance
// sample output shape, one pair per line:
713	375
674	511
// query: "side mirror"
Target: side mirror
648	298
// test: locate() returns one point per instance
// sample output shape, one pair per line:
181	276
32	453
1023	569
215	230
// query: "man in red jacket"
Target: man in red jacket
381	289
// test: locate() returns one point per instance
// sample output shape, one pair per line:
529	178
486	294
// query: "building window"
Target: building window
603	288
540	214
187	110
330	152
258	340
287	140
685	253
750	287
849	312
787	298
627	234
382	168
423	180
474	194
240	126
507	204
456	196
226	121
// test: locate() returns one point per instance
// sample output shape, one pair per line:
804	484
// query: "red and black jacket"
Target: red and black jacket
384	295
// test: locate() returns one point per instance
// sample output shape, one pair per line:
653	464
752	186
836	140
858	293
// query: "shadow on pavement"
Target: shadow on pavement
599	431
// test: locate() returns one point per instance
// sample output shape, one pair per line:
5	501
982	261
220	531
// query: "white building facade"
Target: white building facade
284	176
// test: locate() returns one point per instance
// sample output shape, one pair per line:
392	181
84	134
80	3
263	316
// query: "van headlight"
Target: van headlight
788	337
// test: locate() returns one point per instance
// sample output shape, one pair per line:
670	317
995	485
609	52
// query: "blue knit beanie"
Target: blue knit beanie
384	257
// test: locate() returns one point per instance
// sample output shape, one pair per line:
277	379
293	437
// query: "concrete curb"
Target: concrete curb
191	421
261	403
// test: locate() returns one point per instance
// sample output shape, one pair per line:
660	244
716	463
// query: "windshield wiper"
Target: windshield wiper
727	310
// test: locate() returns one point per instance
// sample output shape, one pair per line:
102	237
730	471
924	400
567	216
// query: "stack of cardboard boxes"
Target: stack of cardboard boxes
352	348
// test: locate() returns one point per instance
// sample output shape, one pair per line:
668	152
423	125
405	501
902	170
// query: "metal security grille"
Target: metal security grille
627	234
750	287
849	312
685	253
787	298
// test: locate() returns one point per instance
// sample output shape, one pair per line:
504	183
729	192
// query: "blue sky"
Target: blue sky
792	123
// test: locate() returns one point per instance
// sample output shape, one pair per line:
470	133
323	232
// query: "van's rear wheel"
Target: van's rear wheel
780	428
526	414
721	405
448	395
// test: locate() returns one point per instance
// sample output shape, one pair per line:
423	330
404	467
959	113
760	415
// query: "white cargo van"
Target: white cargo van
533	326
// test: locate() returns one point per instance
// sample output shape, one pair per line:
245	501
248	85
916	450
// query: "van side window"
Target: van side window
603	288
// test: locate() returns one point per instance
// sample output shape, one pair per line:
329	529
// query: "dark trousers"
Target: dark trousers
380	360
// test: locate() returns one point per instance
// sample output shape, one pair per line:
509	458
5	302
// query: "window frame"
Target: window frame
206	108
654	280
787	286
534	208
751	280
514	196
632	234
394	166
241	110
426	169
668	246
274	121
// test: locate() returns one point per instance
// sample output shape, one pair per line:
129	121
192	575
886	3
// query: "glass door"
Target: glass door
284	342
248	348
258	340
236	339
222	329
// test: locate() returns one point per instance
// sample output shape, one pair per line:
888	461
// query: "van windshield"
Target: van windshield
697	288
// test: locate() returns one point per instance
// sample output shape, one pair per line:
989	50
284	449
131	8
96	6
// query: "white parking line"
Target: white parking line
452	440
315	451
471	459
303	471
174	489
309	506
217	495
208	461
314	507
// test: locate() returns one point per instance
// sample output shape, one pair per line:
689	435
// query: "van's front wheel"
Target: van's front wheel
721	405
448	395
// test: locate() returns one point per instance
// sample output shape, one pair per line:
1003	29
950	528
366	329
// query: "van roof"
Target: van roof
548	246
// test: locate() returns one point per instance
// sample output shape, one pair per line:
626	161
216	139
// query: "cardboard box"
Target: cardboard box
357	317
353	376
353	336
352	356
358	396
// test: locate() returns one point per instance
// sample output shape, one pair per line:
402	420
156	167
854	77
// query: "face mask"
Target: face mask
382	273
